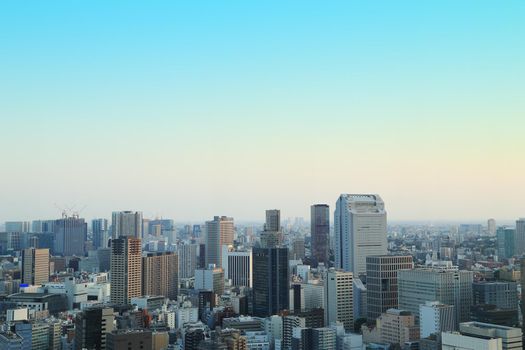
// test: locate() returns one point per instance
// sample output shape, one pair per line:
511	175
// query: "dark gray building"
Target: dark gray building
270	281
70	236
91	326
320	232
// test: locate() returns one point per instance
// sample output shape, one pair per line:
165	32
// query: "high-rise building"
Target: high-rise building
126	223
298	249
320	232
270	281
70	236
435	317
505	242
99	227
211	279
520	237
289	324
126	269
160	274
397	327
491	227
187	260
360	230
272	235
219	232
91	326
35	266
502	294
511	338
381	282
238	267
446	285
522	281
339	298
18	226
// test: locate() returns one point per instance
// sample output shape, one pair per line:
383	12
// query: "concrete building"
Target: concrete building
381	282
126	269
70	236
126	223
339	298
219	232
447	285
211	279
139	339
502	294
91	327
187	260
520	237
160	274
238	267
360	231
397	327
272	236
320	233
435	317
491	227
101	234
457	341
506	242
511	338
35	266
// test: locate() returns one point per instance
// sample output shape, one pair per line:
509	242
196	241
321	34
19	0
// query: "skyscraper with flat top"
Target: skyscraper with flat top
70	236
271	236
219	232
339	298
126	269
99	227
160	274
126	223
520	236
35	266
320	232
360	230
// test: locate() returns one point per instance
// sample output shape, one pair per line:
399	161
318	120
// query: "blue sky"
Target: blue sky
191	109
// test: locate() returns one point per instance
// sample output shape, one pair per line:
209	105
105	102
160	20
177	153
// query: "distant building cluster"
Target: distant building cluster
354	282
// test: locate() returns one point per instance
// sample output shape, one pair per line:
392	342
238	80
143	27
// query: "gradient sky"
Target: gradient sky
189	109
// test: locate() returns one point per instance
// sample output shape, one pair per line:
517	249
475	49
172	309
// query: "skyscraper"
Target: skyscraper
520	237
491	227
126	269
187	260
446	285
160	274
339	298
506	242
270	281
320	232
35	266
219	232
238	267
272	236
360	230
126	223
99	227
381	282
70	236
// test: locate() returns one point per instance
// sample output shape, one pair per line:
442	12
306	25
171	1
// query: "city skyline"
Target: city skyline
133	106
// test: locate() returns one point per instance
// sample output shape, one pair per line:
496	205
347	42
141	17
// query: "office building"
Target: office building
126	269
35	266
298	249
435	317
70	235
505	242
219	232
489	313
18	226
511	338
138	339
211	279
503	295
272	235
91	326
381	282
520	237
101	236
320	233
446	285
238	267
270	281
458	341
289	324
187	260
491	227
160	273
360	231
397	327
126	223
339	298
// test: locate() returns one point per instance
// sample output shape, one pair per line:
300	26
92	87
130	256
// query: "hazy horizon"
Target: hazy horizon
195	109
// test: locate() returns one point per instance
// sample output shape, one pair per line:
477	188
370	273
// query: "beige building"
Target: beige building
160	274
219	232
393	327
126	269
339	298
35	266
457	341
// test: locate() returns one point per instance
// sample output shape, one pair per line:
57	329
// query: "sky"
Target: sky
189	109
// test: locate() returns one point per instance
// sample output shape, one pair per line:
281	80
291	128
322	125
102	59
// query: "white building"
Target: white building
339	298
435	317
237	266
457	341
360	230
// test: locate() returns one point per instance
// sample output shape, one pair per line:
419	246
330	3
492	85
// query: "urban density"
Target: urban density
354	282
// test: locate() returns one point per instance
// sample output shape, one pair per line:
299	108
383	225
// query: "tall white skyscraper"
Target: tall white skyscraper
126	223
187	260
237	266
360	230
491	227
